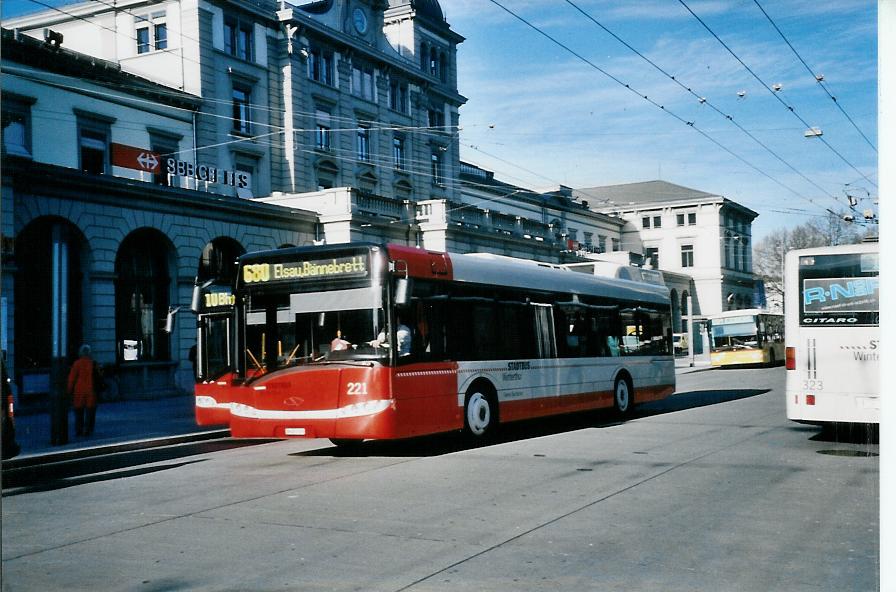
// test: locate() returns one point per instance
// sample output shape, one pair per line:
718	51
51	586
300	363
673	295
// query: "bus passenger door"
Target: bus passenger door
213	346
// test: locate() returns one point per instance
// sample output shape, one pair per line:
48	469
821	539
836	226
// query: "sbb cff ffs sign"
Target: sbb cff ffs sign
210	174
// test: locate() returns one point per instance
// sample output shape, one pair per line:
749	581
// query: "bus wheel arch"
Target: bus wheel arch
481	409
623	393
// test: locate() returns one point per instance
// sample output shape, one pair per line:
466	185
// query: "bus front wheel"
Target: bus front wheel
623	396
480	413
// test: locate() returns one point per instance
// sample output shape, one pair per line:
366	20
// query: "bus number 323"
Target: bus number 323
813	385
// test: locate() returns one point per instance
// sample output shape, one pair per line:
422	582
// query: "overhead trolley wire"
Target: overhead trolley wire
702	99
655	104
818	80
772	91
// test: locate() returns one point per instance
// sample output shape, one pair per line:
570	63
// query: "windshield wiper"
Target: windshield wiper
356	363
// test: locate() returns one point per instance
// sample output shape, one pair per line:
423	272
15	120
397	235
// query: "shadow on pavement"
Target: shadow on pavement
66	473
440	444
848	433
694	399
62	483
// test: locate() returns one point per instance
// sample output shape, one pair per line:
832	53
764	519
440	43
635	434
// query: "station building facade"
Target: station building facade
271	124
96	248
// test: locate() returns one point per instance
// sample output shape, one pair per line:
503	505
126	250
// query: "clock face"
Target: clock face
359	18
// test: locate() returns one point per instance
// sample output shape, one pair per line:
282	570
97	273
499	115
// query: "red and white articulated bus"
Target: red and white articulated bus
362	341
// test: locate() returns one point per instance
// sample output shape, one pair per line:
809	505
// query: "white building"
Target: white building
682	230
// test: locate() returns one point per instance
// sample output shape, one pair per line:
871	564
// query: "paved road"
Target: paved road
710	490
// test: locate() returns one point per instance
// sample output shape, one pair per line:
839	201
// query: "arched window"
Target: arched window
327	173
218	260
403	190
142	297
367	182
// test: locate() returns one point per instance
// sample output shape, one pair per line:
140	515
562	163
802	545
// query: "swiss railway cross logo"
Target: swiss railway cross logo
131	157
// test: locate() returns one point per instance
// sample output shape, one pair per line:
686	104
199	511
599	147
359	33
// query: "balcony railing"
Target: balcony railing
377	205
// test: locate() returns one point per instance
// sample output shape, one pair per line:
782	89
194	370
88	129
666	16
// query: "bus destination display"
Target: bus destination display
840	295
331	268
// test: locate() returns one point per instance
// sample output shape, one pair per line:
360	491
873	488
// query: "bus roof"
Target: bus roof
864	247
478	268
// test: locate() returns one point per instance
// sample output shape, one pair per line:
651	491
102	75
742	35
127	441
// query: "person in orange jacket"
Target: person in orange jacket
82	388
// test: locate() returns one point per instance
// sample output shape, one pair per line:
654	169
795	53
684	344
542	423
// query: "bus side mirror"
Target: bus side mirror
402	292
196	300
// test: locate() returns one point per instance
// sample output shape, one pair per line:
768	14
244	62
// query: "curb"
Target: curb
33	460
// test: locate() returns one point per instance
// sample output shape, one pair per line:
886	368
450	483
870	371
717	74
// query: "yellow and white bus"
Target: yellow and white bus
747	337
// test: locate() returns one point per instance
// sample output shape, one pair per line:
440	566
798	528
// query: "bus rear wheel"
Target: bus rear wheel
623	396
480	413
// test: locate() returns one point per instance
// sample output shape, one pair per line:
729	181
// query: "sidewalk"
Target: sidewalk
117	422
683	364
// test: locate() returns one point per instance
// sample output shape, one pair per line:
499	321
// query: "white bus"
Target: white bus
832	334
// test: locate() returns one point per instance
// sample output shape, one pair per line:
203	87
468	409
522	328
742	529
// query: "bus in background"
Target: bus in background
746	337
832	312
363	341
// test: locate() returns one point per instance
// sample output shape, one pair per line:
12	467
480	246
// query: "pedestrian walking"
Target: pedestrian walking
83	382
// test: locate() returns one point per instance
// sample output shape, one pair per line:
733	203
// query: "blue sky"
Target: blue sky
539	116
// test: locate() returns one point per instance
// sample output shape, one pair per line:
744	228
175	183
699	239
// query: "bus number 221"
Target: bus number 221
357	388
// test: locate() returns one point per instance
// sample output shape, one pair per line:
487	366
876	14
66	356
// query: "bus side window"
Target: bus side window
485	333
516	331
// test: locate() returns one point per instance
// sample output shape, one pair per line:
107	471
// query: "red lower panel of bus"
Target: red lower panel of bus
369	403
349	402
525	409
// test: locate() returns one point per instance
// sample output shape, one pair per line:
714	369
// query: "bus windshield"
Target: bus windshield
735	333
284	329
839	289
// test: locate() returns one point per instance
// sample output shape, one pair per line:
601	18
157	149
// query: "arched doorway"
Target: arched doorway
50	254
142	297
48	302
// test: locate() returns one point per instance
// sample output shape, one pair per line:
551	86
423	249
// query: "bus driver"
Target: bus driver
403	334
